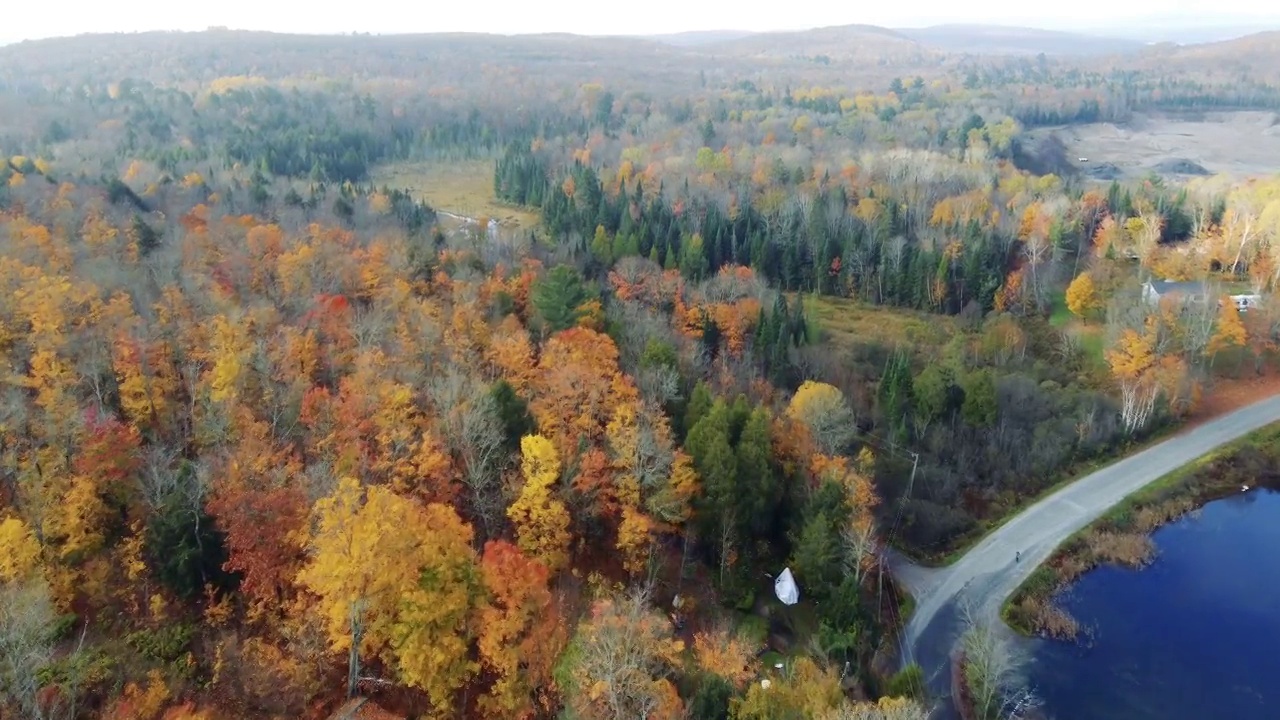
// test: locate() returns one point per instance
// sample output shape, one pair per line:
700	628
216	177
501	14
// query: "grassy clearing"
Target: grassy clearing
1059	315
1089	337
844	321
1122	535
462	188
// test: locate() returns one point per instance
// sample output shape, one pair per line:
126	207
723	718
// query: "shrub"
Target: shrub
165	644
711	701
1128	549
908	682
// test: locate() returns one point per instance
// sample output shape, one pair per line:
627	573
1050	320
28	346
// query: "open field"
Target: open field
461	188
843	321
1239	144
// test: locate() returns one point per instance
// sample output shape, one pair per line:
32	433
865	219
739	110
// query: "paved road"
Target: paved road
988	574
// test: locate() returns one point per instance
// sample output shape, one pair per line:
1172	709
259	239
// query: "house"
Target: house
1156	291
362	708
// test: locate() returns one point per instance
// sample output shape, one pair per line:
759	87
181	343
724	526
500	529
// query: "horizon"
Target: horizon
663	17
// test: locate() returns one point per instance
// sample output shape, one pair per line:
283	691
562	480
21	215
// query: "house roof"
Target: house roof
1164	287
360	708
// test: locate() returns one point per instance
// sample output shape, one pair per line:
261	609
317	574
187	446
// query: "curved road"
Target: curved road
988	574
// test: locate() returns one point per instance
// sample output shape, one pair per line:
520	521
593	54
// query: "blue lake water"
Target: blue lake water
1194	636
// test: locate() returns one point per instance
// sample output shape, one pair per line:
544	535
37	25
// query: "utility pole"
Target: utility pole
911	484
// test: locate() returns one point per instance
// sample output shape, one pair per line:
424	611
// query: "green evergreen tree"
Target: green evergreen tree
558	297
514	413
760	491
693	261
895	396
602	247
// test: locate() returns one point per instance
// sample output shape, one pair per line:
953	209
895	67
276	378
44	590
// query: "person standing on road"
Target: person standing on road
1017	556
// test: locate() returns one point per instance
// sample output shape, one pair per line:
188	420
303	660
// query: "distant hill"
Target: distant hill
1186	29
1254	56
695	38
1197	35
1001	40
843	42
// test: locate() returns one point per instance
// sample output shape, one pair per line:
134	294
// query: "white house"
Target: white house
1154	291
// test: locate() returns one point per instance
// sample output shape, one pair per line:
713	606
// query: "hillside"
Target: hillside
1255	57
843	42
995	39
699	37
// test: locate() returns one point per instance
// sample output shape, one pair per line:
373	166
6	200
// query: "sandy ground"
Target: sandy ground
1232	143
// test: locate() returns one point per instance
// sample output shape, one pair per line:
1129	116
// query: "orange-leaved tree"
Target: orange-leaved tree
1230	331
520	632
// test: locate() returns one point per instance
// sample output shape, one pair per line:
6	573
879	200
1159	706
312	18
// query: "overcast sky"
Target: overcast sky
27	19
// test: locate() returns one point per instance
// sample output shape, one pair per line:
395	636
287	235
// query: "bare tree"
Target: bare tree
859	548
623	660
993	670
475	435
26	646
160	477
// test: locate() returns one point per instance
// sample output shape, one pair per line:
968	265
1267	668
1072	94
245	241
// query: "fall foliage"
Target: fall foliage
275	429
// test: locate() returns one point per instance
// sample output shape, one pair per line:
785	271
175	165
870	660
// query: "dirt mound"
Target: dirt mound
1180	166
1104	171
1043	155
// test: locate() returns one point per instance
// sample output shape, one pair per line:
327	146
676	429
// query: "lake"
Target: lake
1196	635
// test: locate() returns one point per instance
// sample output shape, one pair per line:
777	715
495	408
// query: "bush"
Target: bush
62	627
754	630
90	671
711	701
165	644
908	682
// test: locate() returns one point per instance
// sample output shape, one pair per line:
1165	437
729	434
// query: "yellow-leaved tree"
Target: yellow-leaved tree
395	579
822	408
19	550
1132	358
1082	296
1230	331
541	520
807	691
432	632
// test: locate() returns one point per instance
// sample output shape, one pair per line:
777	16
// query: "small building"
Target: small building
1157	291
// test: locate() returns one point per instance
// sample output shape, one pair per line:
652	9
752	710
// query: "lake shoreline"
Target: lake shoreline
1123	535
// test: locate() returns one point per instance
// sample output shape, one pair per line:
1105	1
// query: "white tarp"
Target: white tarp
784	586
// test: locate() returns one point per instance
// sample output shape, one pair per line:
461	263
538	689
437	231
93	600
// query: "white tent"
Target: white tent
784	586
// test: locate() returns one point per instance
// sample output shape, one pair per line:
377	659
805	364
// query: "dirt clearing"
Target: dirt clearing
1239	144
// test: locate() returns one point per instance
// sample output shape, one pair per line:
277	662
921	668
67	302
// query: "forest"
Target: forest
276	435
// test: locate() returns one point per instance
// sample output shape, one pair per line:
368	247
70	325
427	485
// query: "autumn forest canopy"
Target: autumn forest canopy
276	431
